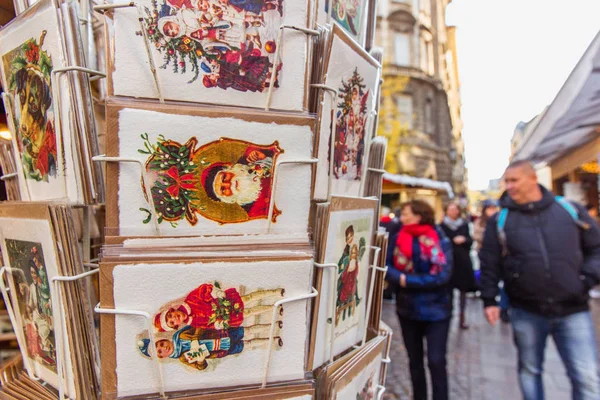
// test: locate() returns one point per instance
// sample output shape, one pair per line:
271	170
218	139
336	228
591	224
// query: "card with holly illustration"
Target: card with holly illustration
211	51
348	117
341	307
212	324
207	171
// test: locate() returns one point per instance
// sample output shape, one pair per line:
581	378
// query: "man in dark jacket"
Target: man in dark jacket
548	263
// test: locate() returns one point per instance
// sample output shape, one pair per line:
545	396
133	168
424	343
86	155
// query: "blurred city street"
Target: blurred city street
482	363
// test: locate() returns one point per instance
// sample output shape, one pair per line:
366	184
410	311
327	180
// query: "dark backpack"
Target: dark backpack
564	203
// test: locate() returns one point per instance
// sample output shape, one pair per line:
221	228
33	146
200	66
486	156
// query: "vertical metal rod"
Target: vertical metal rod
276	306
370	295
274	187
331	309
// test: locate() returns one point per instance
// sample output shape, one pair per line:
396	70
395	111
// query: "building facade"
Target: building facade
420	103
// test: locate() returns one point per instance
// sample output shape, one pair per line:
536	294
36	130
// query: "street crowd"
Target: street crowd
539	257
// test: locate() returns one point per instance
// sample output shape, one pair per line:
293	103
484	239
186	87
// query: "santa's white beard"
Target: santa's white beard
245	186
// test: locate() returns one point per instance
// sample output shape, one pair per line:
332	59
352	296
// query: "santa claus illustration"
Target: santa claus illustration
246	183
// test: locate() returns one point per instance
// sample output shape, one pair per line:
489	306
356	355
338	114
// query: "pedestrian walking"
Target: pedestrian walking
489	208
547	250
463	276
419	272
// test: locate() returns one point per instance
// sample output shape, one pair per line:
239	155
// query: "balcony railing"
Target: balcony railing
412	72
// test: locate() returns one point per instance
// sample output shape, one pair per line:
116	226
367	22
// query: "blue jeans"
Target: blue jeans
576	342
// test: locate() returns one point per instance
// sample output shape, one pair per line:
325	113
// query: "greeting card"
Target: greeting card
53	143
349	14
211	324
30	48
355	75
340	308
38	243
361	380
209	171
211	51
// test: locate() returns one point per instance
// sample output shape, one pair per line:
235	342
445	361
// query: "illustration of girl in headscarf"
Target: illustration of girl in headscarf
193	346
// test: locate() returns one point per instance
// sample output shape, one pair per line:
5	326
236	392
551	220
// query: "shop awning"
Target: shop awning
425	183
572	118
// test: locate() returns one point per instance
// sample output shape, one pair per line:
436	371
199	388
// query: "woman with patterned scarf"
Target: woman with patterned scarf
420	274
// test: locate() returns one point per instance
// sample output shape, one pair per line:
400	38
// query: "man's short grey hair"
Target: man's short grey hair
526	165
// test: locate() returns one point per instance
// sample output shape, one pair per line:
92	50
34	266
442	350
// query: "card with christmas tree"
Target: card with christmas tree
349	117
207	171
211	51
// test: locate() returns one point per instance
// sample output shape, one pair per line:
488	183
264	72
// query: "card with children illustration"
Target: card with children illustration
207	171
36	240
29	252
345	122
340	308
212	324
211	51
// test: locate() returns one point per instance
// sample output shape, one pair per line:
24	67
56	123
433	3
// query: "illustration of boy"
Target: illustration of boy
43	286
349	242
209	307
347	284
349	278
193	346
37	309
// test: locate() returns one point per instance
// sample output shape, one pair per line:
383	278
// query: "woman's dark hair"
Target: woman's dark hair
422	209
486	204
452	203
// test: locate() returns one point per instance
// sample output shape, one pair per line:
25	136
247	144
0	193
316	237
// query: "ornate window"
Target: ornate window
426	49
404	105
402	49
402	25
428	114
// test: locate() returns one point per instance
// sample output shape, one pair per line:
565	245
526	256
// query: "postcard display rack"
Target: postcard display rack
241	183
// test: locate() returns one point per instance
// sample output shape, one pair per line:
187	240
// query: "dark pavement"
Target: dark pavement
481	360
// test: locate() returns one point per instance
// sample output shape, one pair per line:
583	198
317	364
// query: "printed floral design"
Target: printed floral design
368	391
30	70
